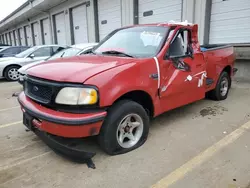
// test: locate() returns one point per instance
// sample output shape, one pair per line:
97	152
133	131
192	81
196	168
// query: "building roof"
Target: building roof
26	12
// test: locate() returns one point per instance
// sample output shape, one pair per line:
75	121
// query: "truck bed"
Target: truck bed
210	47
217	58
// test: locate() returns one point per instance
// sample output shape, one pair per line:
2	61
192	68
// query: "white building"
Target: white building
77	21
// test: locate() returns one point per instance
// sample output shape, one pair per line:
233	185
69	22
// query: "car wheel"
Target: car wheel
125	128
11	73
222	88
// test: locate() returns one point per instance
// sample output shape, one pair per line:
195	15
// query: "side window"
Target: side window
57	49
43	52
179	47
13	50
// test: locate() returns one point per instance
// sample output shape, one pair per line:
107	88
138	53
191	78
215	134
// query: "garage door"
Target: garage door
28	35
16	38
35	33
22	37
60	29
109	12
7	38
79	24
152	11
230	21
2	39
12	38
45	24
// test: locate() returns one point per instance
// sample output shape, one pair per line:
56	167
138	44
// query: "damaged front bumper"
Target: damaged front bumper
66	148
62	132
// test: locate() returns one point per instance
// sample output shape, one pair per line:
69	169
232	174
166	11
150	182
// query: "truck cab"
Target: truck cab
135	74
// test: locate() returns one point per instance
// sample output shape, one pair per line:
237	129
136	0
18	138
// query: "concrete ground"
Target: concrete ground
172	156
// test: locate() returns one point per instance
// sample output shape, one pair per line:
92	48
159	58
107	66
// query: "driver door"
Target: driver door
182	73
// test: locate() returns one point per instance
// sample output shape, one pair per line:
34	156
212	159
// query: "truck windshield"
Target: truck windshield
140	42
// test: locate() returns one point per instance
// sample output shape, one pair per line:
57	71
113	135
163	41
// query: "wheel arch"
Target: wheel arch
10	66
141	97
228	69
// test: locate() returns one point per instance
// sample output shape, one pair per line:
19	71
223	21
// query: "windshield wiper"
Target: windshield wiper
114	52
62	54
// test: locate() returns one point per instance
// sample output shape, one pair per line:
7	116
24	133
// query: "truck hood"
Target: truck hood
76	69
23	69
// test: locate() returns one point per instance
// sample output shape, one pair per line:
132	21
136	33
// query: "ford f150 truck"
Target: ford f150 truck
136	73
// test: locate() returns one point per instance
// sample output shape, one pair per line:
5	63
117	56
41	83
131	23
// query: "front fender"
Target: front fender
116	82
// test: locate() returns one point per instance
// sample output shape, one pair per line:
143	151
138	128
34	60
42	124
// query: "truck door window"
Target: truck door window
179	47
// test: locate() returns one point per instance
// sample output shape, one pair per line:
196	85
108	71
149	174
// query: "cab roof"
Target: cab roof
169	24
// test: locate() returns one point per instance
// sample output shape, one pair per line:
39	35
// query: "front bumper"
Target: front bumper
66	148
60	130
60	123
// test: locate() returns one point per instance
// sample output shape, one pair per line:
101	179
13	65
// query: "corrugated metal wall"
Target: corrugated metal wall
230	21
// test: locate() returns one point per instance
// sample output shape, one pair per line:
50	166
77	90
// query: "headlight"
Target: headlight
77	96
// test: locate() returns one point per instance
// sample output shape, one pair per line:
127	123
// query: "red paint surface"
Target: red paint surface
28	103
116	76
69	131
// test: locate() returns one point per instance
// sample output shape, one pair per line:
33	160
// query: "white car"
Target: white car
9	66
78	49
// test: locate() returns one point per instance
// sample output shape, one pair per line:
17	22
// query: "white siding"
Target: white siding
46	31
2	41
152	11
28	35
16	38
60	29
12	38
109	12
80	26
230	21
35	34
22	37
7	38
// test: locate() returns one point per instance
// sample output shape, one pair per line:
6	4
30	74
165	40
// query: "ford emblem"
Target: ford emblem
35	88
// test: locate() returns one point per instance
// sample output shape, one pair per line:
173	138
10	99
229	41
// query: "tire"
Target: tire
114	127
11	73
218	93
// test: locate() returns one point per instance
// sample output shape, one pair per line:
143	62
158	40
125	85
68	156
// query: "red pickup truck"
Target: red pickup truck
136	73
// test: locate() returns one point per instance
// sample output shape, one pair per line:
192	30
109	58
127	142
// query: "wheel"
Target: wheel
222	88
11	73
125	128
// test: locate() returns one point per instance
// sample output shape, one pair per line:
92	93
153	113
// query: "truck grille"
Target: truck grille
37	91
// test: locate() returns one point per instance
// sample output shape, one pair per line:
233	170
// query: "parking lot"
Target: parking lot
172	156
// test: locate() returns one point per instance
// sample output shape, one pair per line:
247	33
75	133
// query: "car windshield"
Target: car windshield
26	52
65	53
141	42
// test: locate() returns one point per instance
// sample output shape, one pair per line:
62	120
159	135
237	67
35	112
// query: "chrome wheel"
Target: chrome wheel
224	86
13	74
129	131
